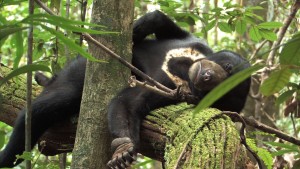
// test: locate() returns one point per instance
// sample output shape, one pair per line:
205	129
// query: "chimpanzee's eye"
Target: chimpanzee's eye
228	67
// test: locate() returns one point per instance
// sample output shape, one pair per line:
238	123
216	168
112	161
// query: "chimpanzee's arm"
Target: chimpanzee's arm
158	23
125	113
47	109
180	67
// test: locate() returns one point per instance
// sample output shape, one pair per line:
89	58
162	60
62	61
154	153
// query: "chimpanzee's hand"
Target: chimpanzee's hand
124	153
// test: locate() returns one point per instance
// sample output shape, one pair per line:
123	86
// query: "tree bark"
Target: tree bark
13	96
103	80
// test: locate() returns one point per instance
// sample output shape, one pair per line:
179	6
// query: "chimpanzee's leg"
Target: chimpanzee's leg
50	107
158	23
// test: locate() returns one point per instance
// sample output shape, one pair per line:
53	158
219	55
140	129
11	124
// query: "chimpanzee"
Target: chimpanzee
174	58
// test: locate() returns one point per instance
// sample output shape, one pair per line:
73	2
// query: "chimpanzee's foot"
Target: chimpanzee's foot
124	153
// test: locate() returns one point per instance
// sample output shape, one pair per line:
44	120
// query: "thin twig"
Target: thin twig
258	125
28	114
134	82
258	49
82	16
237	118
127	64
67	52
283	30
176	94
42	5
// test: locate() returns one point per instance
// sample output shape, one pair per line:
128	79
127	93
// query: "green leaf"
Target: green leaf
70	27
217	10
225	86
210	25
276	81
25	156
224	27
24	69
10	2
59	19
290	54
3	20
254	8
254	34
2	139
250	19
268	34
241	26
264	155
282	152
72	45
285	96
11	29
19	49
283	145
257	17
270	25
141	164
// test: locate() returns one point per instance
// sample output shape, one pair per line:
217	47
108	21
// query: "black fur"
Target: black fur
61	96
129	107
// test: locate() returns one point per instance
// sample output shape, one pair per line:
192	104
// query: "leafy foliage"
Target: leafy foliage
290	54
265	155
284	148
276	82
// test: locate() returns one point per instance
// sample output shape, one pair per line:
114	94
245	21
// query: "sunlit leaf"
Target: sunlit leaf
268	34
24	69
25	156
248	18
254	34
270	25
223	26
290	54
19	49
210	25
263	154
225	86
240	26
276	81
284	96
254	8
3	20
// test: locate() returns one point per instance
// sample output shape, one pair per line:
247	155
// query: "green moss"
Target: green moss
207	140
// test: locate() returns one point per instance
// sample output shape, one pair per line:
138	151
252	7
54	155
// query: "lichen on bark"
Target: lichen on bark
207	139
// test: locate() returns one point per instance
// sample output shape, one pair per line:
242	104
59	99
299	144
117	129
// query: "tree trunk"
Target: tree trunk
103	80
